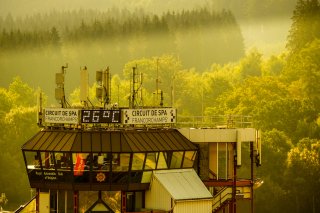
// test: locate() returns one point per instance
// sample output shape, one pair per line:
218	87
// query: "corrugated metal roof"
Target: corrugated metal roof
182	184
155	140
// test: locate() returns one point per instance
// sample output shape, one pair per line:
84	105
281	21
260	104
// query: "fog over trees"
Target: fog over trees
199	51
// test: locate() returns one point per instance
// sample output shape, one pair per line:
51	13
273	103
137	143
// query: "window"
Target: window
120	162
81	163
162	161
101	162
176	160
189	157
146	177
63	161
151	160
222	160
137	161
47	160
32	160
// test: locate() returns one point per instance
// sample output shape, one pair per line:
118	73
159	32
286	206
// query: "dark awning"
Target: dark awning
109	141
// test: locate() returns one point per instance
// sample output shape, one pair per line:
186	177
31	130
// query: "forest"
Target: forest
200	57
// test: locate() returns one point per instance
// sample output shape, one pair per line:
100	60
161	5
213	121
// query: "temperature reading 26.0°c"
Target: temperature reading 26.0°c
100	116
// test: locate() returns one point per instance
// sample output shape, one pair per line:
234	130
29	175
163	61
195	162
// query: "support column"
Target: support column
252	174
37	200
75	201
234	185
123	202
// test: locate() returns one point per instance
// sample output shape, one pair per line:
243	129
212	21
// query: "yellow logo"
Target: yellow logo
101	177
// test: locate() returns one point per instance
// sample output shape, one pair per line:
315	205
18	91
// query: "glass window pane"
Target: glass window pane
47	160
189	157
81	163
63	161
112	199
176	160
151	160
222	161
87	199
146	177
101	161
162	161
33	160
122	163
137	161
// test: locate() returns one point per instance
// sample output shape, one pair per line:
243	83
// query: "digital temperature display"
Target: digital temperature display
100	116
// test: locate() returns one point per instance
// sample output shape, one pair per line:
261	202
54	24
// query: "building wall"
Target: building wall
44	202
157	197
199	206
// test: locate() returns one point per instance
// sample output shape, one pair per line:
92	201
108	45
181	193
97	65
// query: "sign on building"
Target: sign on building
61	116
100	116
149	116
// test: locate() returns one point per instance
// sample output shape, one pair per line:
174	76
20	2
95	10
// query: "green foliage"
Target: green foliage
18	124
21	93
303	174
250	66
305	25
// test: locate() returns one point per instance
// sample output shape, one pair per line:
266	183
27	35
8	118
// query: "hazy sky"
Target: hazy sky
27	7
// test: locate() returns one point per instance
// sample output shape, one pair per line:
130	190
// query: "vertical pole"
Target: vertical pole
37	200
123	202
252	161
217	161
75	201
226	174
234	185
65	201
57	204
133	87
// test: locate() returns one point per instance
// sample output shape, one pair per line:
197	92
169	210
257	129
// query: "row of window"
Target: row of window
106	162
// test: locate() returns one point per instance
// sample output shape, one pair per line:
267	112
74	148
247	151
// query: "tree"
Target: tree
18	124
3	200
302	175
275	146
21	93
54	39
305	25
250	66
248	97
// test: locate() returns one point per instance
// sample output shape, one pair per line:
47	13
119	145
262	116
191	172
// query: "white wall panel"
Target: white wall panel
44	202
157	197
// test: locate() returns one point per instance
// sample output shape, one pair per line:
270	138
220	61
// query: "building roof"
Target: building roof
125	141
182	184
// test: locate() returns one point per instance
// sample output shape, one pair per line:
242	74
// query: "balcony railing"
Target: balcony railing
217	121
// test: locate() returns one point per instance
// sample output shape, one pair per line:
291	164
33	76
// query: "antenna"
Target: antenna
136	91
59	92
39	115
158	92
84	88
103	89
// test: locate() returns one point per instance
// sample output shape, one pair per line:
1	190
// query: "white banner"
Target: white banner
61	115
149	116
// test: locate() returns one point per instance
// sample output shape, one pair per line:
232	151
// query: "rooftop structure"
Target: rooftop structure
138	159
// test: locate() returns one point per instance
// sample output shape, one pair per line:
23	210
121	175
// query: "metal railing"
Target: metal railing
222	196
216	121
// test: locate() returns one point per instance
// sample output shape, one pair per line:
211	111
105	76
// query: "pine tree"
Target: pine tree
305	25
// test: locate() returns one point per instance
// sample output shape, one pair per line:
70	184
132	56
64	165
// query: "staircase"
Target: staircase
222	198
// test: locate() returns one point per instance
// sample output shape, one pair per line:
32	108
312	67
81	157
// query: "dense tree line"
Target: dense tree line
201	32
